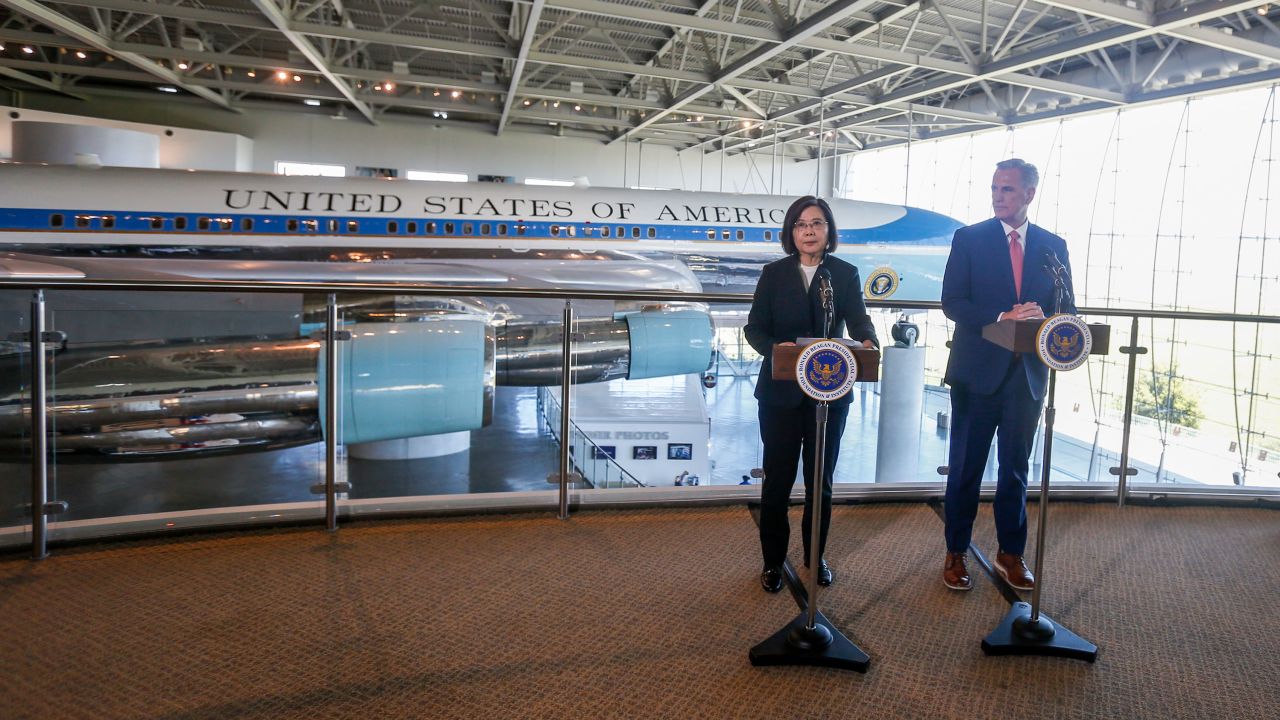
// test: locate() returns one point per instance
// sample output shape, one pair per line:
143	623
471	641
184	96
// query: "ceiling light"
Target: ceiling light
526	102
183	66
297	78
578	108
377	87
312	102
167	88
699	118
455	94
80	54
282	75
389	87
436	93
27	49
555	104
253	73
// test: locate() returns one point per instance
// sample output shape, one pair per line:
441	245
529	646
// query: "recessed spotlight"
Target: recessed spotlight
297	78
183	66
312	102
389	87
526	102
455	94
578	108
282	75
80	54
167	88
555	104
28	49
253	73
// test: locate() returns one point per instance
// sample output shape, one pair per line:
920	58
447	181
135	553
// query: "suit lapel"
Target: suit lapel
999	252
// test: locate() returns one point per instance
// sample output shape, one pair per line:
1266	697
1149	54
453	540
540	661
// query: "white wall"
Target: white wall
422	144
180	147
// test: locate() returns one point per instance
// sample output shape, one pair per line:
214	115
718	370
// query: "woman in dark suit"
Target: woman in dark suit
787	306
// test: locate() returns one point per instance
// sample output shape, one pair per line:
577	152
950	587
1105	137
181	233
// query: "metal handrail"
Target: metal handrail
577	432
359	288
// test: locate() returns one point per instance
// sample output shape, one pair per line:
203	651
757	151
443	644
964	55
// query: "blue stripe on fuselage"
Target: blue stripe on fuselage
916	227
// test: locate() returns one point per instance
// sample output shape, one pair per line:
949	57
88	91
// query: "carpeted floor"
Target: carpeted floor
637	614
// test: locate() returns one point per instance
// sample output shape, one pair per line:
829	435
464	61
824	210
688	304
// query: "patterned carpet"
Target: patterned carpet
637	614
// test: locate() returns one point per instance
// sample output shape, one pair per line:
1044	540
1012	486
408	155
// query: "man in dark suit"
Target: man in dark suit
787	306
996	272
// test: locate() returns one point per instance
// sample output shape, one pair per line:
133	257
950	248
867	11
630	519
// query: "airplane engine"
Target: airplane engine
404	380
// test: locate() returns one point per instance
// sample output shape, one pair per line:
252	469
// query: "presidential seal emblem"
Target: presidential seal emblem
1064	342
826	370
881	283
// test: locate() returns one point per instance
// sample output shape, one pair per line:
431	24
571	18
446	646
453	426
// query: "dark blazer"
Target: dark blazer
978	286
782	311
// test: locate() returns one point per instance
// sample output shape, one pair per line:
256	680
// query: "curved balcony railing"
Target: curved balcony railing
132	434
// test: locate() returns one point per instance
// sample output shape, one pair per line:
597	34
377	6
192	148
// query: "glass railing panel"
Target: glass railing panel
15	404
169	409
1206	406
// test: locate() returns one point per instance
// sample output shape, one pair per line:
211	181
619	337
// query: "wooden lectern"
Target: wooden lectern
784	359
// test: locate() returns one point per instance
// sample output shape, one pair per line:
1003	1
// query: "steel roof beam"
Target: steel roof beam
93	39
530	32
277	18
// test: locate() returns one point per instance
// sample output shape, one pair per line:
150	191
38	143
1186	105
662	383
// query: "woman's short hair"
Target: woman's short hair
793	214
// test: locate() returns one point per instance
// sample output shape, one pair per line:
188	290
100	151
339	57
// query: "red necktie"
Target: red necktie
1015	257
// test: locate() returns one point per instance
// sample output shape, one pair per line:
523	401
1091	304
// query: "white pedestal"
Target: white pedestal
412	448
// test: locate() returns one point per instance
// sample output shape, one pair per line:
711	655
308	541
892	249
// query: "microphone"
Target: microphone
824	289
828	297
1053	265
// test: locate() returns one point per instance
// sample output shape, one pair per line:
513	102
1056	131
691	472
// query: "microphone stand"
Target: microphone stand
811	639
1024	631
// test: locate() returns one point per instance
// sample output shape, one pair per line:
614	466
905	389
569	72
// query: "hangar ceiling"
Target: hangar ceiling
796	77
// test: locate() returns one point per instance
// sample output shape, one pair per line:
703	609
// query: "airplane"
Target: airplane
172	396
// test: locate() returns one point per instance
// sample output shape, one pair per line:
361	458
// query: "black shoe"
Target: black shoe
771	579
825	576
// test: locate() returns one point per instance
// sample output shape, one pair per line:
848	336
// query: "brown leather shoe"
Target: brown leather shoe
954	573
1014	571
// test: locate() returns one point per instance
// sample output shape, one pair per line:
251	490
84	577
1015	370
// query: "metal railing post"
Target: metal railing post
567	356
331	413
39	431
1133	350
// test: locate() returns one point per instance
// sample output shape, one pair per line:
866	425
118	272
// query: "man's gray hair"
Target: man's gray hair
1030	176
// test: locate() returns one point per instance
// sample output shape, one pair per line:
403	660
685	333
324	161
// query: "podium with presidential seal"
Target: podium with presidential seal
1063	342
825	370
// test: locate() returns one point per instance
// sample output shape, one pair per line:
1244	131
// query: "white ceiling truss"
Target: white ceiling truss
792	77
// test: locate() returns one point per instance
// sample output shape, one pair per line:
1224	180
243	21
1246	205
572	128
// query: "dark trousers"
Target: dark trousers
787	434
1014	414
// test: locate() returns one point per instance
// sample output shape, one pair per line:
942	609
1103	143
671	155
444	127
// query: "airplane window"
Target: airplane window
157	223
555	231
393	227
520	229
225	223
412	227
246	224
604	231
724	234
740	235
484	229
711	234
448	228
292	225
311	225
431	228
108	221
55	220
202	223
502	228
635	231
768	234
353	226
82	221
573	231
622	232
653	232
332	225
180	223
466	228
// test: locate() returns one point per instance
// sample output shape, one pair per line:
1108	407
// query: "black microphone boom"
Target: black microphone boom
828	297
